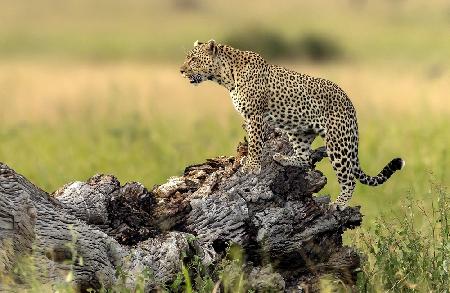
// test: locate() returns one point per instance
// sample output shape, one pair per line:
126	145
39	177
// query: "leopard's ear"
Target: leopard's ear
212	46
197	43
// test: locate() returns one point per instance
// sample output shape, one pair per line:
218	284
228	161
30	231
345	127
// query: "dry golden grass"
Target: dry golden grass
51	92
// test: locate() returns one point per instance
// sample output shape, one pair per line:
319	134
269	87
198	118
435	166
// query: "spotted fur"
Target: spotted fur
303	106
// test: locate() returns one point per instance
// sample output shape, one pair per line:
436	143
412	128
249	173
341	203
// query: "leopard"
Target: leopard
301	106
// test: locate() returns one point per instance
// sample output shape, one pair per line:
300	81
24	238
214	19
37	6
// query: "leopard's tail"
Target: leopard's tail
388	170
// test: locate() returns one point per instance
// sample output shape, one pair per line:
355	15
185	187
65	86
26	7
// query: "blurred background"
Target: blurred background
94	87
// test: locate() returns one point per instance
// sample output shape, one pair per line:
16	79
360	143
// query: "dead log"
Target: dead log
289	236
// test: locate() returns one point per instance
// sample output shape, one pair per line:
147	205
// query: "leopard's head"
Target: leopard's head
201	62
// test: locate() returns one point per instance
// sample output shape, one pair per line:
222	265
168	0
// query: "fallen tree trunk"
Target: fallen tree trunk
289	237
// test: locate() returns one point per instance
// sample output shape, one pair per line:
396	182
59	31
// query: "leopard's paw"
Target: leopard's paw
336	206
280	159
251	167
296	161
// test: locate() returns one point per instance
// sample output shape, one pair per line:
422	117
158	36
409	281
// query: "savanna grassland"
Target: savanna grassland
93	87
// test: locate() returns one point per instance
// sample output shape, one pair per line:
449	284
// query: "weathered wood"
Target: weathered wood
288	235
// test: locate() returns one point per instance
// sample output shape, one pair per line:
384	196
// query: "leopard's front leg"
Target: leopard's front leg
255	133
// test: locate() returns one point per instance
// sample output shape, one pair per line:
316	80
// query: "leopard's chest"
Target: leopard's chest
244	107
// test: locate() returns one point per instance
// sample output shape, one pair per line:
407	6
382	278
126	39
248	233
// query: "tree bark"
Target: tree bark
289	237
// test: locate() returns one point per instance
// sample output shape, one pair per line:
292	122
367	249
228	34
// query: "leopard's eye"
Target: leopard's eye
193	60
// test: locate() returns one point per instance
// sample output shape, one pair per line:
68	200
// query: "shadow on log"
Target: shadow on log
290	237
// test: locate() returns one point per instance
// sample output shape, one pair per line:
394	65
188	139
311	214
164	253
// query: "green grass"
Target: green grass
404	255
131	149
150	151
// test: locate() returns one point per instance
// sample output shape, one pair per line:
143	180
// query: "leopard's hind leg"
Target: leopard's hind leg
301	143
342	150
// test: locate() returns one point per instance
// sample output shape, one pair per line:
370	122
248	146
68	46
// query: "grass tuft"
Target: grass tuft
408	255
